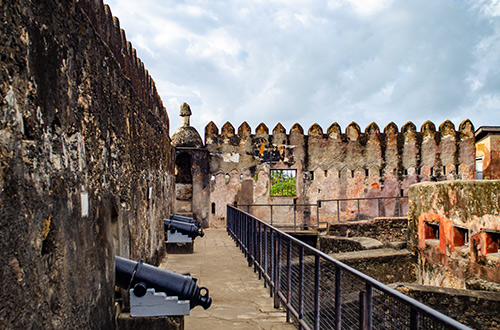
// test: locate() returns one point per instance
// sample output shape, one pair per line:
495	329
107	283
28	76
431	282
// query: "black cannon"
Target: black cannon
186	228
184	219
140	276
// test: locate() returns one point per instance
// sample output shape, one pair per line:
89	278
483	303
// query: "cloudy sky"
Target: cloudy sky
320	62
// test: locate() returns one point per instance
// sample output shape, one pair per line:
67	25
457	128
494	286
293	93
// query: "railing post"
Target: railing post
271	215
272	260
338	210
399	206
317	306
414	319
362	310
368	306
365	308
338	298
295	217
277	270
250	240
301	284
259	226
265	256
245	229
378	203
358	210
318	205
288	279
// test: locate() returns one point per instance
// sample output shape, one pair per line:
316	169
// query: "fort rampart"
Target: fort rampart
86	163
333	164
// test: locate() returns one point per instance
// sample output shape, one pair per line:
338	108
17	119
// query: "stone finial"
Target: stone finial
185	114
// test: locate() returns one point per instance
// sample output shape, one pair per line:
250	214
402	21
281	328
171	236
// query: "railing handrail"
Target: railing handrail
275	204
372	282
327	200
359	198
318	206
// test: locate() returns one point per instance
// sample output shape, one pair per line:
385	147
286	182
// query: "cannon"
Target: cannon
140	278
184	219
185	228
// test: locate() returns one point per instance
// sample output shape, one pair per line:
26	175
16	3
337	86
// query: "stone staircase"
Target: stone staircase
375	247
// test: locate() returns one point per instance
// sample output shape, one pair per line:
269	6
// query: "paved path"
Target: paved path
239	299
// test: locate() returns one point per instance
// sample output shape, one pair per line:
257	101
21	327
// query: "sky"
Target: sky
306	62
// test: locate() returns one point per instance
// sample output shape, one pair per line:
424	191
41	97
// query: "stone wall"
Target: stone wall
335	164
382	229
86	165
476	309
454	228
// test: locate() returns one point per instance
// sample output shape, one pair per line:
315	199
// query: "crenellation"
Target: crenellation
334	132
244	131
297	128
211	133
410	148
373	132
315	130
279	139
447	128
448	148
262	130
108	28
228	134
352	131
373	147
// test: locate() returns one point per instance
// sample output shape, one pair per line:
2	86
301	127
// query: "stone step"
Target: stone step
335	244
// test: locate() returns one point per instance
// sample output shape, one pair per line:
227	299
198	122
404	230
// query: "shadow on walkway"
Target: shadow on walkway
239	299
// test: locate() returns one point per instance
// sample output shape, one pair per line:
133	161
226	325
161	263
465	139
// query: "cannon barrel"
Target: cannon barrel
184	219
189	229
141	276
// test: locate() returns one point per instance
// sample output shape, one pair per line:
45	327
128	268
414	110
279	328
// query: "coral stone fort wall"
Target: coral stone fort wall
332	164
86	163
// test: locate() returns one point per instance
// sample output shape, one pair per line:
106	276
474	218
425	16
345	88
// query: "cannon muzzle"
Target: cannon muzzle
140	276
186	228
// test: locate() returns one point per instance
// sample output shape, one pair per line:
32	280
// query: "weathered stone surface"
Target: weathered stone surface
353	164
187	136
382	229
453	227
335	244
476	309
86	166
384	265
184	191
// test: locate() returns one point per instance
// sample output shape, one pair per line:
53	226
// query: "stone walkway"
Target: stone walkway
239	299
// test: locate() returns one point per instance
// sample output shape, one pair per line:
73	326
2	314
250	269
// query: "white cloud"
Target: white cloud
369	7
307	61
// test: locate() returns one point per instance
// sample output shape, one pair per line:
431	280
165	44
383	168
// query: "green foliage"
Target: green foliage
283	183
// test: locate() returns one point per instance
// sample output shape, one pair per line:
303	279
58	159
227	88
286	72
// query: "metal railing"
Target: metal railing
371	213
398	212
273	207
319	292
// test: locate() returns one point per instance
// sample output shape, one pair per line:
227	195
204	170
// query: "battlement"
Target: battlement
108	28
228	134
